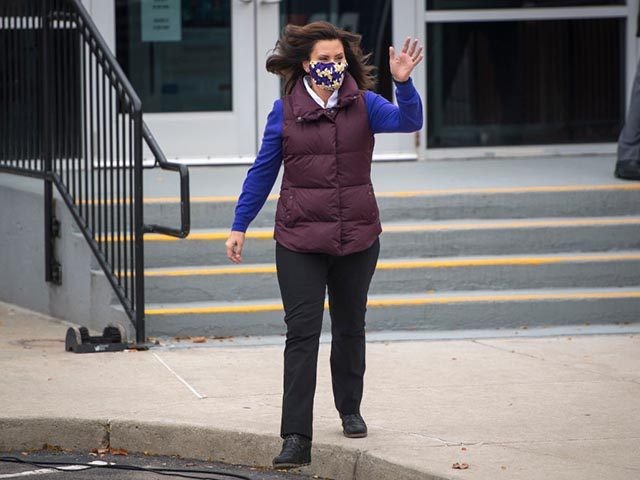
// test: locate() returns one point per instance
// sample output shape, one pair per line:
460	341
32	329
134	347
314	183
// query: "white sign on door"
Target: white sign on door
161	21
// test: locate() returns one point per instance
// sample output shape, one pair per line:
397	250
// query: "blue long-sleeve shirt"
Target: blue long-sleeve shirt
384	117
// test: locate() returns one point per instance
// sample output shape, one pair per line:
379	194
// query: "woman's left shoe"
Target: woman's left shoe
353	425
296	452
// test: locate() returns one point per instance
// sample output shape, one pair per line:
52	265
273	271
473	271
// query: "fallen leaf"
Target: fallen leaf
463	449
198	339
460	466
101	451
503	467
118	451
53	448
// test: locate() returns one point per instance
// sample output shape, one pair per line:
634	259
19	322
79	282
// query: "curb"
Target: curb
194	441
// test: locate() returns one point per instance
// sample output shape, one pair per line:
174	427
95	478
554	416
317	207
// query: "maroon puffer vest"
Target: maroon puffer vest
327	203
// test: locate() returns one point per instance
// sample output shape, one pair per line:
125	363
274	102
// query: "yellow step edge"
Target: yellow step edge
267	234
411	264
436	192
399	302
403	194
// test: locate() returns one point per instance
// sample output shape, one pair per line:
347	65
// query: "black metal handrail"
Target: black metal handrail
69	115
161	160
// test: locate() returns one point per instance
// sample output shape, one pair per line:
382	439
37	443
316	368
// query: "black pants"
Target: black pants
304	278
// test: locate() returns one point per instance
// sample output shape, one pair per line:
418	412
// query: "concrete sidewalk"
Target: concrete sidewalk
518	407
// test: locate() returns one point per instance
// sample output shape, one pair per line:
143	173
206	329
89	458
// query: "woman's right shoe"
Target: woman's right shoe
296	452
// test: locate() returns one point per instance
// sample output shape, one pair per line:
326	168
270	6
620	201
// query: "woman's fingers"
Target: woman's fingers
234	247
405	45
402	64
412	50
417	55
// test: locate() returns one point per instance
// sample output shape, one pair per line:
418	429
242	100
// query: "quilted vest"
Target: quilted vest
327	202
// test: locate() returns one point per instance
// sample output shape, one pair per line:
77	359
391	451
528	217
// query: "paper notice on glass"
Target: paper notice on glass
161	21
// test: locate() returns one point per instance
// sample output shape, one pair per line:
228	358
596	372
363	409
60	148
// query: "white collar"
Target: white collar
333	99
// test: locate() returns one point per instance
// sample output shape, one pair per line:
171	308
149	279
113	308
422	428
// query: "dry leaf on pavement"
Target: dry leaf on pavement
118	451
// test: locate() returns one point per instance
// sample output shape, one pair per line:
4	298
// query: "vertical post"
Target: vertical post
46	141
139	232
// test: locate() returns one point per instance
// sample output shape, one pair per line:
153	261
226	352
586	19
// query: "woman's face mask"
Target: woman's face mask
327	75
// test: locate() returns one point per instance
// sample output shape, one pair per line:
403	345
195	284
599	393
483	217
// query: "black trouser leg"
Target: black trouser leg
302	278
629	139
348	285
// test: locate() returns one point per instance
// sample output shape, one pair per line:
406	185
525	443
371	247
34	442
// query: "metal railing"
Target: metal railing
69	115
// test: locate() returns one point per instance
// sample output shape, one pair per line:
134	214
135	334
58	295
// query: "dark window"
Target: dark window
525	82
481	4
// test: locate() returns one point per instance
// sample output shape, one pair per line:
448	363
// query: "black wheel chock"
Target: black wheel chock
113	339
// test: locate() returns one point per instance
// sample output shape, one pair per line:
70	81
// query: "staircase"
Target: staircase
509	251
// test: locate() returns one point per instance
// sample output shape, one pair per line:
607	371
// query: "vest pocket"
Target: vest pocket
373	204
288	204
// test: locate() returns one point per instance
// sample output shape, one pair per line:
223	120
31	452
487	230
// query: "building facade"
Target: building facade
500	77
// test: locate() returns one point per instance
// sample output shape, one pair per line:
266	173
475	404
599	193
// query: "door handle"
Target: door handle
266	2
245	1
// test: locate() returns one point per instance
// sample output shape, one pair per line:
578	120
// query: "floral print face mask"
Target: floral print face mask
327	75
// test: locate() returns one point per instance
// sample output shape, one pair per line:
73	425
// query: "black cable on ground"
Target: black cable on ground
175	472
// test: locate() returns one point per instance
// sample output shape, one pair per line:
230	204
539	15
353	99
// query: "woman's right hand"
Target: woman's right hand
234	246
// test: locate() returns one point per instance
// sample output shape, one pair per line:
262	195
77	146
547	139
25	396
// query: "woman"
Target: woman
326	222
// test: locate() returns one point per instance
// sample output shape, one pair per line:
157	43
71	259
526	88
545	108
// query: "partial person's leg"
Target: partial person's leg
302	278
628	164
348	286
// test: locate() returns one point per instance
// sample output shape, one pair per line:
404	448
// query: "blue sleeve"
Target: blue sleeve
384	116
263	173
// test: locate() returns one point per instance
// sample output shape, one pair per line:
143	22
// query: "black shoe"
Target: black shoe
296	452
353	426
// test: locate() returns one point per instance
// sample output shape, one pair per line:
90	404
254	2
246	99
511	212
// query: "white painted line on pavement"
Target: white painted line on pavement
40	471
193	390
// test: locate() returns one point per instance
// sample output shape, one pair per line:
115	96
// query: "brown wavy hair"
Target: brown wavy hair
296	44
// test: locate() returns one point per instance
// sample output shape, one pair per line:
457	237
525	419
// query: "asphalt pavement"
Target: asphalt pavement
50	464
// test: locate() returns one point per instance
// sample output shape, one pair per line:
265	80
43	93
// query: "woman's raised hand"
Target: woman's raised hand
403	63
234	246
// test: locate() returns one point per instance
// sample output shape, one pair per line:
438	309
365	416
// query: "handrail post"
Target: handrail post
46	152
139	226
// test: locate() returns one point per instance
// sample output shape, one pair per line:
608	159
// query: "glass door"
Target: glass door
193	65
199	67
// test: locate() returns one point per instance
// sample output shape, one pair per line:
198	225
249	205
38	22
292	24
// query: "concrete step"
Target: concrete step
438	311
433	204
422	240
409	275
